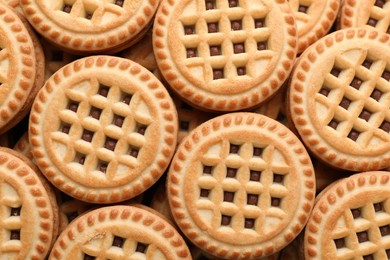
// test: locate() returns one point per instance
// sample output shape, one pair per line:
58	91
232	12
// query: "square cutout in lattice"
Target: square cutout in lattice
385	230
14	234
65	127
260	23
204	193
380	3
334	123
278	178
303	8
249	223
207	169
210	4
354	134
252	199
345	103
339	243
263	45
118	120
87	135
239	47
231	172
275	202
88	257
134	151
234	3
385	126
254	175
362	236
80	158
215	50
102	166
213	27
386	74
372	22
126	98
103	90
119	2
141	247
73	106
241	71
218	74
191	53
95	112
368	257
228	196
356	213
376	94
236	25
118	241
234	148
378	207
226	220
365	114
110	143
67	8
15	212
356	82
141	128
189	29
367	63
257	151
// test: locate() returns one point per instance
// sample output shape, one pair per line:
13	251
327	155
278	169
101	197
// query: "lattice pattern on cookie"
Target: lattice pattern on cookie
363	232
244	188
354	94
93	10
107	133
222	44
301	10
114	247
379	16
11	222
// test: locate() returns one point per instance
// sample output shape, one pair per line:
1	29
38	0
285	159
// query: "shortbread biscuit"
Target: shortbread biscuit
339	99
351	220
27	215
241	185
120	232
314	19
225	55
103	129
90	26
17	69
366	13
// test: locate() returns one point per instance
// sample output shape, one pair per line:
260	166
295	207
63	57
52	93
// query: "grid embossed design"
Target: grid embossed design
379	16
114	247
356	98
243	188
301	10
93	10
107	133
11	222
226	43
365	232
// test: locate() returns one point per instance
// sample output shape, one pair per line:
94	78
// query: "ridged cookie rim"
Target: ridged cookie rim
24	172
17	103
82	42
181	215
244	100
322	27
125	213
157	168
298	110
330	197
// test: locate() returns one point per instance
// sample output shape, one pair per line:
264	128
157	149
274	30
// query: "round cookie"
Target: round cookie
351	220
241	185
90	26
366	14
225	55
27	217
314	19
103	129
17	69
339	97
120	232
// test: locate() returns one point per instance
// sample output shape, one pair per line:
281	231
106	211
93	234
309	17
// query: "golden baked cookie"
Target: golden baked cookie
314	19
90	26
120	232
351	220
366	13
17	69
339	99
241	185
103	129
225	55
27	216
23	146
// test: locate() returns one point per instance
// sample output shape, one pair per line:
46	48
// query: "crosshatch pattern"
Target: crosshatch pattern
11	222
366	232
114	247
301	9
111	133
358	103
226	40
90	10
379	16
244	185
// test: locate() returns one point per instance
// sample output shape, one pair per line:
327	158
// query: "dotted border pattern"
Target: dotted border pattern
298	110
176	177
123	214
16	100
348	12
329	200
83	42
36	192
23	146
205	100
168	119
324	23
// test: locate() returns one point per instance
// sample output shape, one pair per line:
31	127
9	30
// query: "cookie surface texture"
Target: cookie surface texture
27	216
89	26
103	129
240	186
366	14
339	98
225	55
351	220
120	232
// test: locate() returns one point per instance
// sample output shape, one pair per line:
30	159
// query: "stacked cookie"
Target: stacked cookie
194	129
